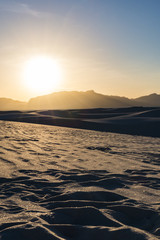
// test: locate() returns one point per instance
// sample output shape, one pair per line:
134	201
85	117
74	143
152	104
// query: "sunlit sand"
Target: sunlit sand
79	120
61	183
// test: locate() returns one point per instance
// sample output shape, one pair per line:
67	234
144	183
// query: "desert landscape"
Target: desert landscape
65	183
143	121
79	120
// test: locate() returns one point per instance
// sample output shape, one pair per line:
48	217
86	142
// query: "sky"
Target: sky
110	46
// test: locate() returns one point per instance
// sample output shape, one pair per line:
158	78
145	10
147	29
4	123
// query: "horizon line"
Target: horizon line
81	91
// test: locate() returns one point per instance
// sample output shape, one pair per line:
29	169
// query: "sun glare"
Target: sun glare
42	74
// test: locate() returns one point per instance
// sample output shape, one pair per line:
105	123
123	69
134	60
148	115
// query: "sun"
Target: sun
42	74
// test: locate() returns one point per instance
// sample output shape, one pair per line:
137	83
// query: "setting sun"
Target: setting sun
42	74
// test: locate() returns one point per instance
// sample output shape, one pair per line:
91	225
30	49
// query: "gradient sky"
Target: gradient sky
111	46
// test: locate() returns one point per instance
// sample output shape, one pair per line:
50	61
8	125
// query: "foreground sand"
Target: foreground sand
61	183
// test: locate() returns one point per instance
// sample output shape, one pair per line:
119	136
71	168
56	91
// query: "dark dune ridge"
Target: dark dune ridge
144	121
61	183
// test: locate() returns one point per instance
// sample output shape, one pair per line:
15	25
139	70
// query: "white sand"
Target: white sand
61	183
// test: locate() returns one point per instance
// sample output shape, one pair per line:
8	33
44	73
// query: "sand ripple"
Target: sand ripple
96	188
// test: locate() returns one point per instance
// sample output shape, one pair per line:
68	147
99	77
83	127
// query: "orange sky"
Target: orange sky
106	46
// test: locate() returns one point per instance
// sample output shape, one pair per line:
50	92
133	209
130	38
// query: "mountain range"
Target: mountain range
78	100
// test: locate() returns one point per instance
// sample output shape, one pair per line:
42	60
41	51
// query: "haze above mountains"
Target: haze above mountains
78	100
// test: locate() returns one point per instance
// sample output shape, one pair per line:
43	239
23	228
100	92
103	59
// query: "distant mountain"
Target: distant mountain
78	100
7	104
152	100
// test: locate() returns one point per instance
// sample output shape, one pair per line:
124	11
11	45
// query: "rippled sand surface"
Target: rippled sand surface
61	183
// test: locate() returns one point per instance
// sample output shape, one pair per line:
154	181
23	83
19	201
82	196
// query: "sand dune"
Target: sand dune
133	120
63	183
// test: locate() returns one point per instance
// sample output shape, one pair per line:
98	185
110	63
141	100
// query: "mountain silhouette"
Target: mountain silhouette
10	104
78	100
152	100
